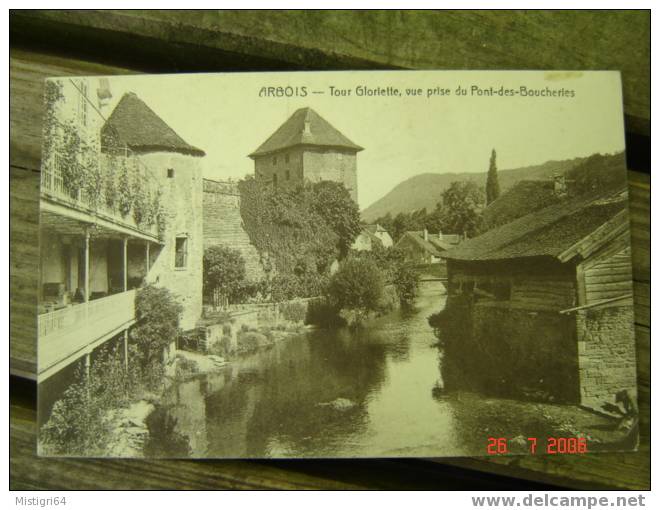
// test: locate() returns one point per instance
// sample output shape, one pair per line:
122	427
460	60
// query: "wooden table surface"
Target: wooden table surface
61	43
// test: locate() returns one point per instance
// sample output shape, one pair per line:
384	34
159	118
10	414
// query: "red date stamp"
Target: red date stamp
552	445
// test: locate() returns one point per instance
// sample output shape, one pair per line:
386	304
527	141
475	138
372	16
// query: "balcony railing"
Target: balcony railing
67	333
52	185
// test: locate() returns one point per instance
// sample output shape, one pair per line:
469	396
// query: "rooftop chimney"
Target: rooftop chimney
426	235
307	130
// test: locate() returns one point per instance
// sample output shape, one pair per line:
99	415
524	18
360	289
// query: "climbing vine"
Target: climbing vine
124	192
299	241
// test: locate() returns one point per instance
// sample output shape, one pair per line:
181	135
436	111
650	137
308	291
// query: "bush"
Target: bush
158	314
79	421
389	300
224	274
185	367
406	281
294	312
252	341
356	287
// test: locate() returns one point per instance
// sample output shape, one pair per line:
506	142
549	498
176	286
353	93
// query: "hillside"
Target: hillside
425	190
596	173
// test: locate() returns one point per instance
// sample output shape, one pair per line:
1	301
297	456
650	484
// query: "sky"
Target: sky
403	136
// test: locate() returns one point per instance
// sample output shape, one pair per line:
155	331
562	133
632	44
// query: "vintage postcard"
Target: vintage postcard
335	264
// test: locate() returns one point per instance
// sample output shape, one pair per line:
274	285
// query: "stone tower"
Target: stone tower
172	166
307	147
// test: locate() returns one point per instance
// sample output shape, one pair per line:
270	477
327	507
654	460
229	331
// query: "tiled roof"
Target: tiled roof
293	133
136	125
522	198
547	232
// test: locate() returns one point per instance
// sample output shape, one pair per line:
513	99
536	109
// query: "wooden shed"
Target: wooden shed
547	301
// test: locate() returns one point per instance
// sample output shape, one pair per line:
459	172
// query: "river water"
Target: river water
345	393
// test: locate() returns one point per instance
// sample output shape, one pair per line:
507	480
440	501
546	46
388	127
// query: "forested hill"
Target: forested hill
425	190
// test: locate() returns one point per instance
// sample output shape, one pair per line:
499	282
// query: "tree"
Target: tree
158	312
333	203
462	202
492	183
356	287
224	273
406	281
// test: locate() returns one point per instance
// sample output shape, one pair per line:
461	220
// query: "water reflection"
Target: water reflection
334	393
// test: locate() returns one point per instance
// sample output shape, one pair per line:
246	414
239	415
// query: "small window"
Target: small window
274	179
288	175
286	158
274	160
170	173
181	252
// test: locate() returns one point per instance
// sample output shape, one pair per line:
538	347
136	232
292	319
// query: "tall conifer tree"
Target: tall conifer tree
492	184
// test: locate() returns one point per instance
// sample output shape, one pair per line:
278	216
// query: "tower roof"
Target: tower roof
305	127
136	125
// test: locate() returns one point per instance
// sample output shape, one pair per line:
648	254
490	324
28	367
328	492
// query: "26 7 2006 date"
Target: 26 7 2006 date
552	446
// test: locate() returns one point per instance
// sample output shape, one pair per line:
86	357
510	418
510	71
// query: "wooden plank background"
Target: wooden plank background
60	43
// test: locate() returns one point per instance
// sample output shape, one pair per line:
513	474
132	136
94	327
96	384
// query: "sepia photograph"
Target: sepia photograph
350	264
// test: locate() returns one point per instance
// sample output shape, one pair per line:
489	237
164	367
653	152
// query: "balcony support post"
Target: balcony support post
86	249
87	361
125	262
126	350
146	252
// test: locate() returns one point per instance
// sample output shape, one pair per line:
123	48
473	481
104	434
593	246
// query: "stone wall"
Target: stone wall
606	350
223	224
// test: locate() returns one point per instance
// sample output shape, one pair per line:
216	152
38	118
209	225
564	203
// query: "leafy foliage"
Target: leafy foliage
598	172
79	421
457	212
286	225
462	203
356	287
224	273
293	311
124	189
395	271
158	314
332	202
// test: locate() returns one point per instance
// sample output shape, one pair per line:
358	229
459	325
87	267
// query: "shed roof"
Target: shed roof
548	232
522	198
137	126
292	133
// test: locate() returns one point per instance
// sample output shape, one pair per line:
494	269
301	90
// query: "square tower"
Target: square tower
307	147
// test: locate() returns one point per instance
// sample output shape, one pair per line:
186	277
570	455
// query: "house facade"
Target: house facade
421	247
307	148
544	303
120	205
370	236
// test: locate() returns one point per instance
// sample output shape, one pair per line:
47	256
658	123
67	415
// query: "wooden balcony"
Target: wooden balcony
54	189
66	335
